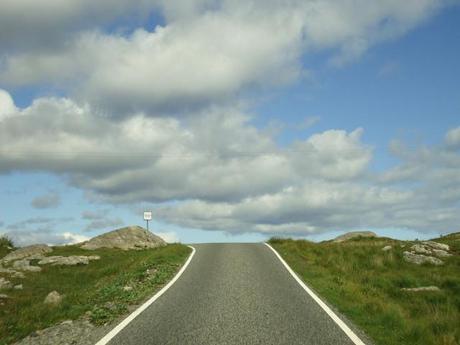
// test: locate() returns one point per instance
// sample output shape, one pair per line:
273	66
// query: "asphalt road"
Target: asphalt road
233	294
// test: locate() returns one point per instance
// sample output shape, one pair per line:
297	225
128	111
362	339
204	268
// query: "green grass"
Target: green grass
364	283
96	288
5	245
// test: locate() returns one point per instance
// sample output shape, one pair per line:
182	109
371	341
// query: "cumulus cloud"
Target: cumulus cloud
233	46
453	138
50	200
218	155
121	134
47	24
25	238
169	236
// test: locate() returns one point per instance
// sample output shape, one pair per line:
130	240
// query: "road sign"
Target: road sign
147	215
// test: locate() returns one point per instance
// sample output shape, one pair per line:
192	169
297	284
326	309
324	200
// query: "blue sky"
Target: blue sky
230	124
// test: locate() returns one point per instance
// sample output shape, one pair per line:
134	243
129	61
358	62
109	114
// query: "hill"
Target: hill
399	292
64	283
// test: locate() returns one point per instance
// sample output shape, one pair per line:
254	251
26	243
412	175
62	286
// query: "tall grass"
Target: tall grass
364	283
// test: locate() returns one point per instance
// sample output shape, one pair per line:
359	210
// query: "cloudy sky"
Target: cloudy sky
231	120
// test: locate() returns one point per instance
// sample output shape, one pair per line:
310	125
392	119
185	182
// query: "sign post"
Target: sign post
147	217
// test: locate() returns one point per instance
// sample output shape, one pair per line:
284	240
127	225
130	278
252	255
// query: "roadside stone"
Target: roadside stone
18	275
441	253
94	257
78	332
420	249
436	245
65	260
387	248
4	296
24	265
53	298
5	284
423	288
127	288
25	252
354	234
420	259
18	287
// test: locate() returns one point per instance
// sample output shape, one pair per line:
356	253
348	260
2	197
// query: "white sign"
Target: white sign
148	215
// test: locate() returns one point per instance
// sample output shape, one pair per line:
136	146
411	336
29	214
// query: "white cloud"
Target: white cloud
169	236
7	106
25	238
453	138
216	155
223	172
206	52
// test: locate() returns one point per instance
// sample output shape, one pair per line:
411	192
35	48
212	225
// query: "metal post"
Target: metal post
147	224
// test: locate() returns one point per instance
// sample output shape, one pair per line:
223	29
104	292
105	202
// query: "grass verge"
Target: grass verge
364	283
95	290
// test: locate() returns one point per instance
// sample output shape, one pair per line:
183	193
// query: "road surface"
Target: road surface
233	294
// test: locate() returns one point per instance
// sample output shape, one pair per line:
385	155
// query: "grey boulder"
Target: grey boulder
33	252
132	237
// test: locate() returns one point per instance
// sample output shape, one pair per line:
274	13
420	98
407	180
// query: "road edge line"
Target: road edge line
353	337
109	336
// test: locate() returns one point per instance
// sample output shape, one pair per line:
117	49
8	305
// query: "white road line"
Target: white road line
354	338
139	310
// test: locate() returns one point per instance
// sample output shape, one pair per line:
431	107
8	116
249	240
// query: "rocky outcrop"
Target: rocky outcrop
436	245
427	252
354	234
387	248
132	237
421	259
35	251
68	260
24	265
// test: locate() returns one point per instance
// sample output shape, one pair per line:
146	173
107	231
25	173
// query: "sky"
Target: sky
232	121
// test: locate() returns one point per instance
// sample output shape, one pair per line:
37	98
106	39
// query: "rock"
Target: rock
26	252
441	253
387	248
72	260
24	265
3	296
127	288
354	234
132	237
77	332
18	287
423	288
53	298
420	259
18	275
94	257
5	284
420	249
151	272
436	245
65	260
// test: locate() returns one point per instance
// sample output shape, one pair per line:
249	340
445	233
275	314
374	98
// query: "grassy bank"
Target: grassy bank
95	290
364	283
